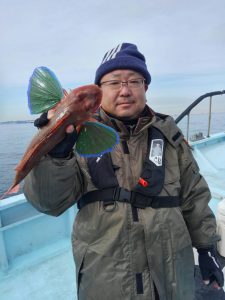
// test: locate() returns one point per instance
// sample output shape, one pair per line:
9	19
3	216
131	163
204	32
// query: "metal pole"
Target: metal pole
210	114
190	107
188	122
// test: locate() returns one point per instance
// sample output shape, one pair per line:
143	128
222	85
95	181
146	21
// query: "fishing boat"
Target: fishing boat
36	259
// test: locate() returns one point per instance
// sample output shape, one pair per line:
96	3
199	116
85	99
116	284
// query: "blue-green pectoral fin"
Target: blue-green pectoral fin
96	139
44	90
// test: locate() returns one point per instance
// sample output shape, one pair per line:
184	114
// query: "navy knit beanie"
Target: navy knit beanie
123	56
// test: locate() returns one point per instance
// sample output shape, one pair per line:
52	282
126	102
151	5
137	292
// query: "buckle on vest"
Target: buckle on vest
122	195
135	199
140	201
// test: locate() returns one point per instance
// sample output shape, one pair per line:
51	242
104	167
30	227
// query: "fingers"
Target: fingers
51	111
214	284
206	282
69	129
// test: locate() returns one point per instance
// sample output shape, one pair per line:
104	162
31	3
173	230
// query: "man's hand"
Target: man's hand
210	268
64	148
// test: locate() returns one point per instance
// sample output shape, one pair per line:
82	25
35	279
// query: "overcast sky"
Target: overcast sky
183	42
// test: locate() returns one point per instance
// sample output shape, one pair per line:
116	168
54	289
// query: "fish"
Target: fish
74	108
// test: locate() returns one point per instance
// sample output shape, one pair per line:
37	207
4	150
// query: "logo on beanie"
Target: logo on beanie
124	56
111	53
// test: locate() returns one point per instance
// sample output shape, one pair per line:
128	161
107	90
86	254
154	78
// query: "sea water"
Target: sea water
14	139
16	136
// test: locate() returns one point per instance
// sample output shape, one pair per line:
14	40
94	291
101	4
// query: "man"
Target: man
140	213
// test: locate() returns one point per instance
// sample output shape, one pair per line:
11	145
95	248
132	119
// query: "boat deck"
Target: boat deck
209	154
52	278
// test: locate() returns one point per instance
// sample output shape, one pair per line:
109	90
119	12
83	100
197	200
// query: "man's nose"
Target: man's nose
124	89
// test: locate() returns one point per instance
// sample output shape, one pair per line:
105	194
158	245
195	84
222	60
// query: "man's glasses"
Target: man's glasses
117	84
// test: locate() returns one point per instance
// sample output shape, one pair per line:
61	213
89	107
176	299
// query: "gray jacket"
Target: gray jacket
116	256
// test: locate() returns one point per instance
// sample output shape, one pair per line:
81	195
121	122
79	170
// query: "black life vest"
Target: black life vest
149	186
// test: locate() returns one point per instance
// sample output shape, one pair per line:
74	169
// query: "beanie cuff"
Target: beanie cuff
122	63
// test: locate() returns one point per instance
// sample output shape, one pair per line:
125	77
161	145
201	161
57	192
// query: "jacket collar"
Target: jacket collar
124	130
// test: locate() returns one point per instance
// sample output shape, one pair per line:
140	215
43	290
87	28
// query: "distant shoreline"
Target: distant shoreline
17	122
173	115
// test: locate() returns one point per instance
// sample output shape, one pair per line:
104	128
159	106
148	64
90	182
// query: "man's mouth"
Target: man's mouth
125	103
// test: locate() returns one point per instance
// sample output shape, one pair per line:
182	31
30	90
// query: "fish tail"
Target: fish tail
12	190
44	90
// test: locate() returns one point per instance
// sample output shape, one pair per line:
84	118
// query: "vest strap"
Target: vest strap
110	195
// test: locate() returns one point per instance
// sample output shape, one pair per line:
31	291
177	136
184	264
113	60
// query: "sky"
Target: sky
183	43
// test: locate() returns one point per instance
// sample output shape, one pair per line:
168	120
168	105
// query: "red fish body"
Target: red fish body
76	108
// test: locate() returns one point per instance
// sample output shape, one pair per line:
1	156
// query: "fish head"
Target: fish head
80	104
90	97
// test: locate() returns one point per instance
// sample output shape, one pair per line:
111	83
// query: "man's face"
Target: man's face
125	101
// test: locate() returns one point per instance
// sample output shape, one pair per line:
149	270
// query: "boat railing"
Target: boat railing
22	241
187	113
